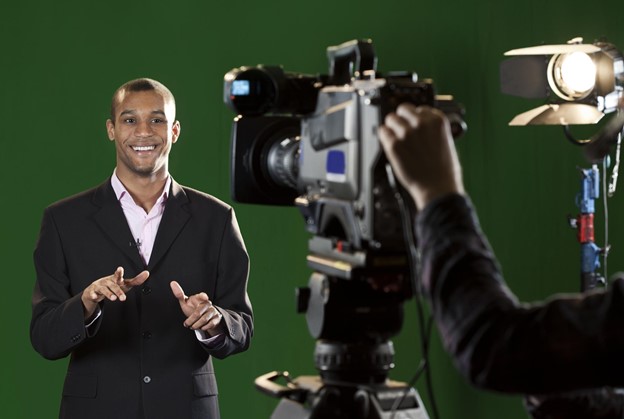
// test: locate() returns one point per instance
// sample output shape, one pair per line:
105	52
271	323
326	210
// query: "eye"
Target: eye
129	121
159	121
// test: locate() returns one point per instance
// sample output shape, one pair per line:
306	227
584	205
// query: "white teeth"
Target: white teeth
144	148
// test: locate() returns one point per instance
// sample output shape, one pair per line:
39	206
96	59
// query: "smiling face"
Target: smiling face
144	130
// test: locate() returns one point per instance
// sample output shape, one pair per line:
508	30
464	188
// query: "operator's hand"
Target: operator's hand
199	311
419	146
112	287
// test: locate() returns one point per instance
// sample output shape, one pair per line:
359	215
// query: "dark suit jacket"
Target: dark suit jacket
138	360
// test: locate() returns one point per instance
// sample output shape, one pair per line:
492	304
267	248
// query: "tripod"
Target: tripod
352	320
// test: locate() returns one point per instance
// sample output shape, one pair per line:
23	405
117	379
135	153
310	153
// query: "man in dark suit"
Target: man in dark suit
115	265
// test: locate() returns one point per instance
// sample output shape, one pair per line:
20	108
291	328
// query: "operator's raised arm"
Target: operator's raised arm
567	343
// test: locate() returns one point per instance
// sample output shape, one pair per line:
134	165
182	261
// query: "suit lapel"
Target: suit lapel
173	220
113	223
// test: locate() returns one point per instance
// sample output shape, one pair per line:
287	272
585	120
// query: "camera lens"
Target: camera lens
283	162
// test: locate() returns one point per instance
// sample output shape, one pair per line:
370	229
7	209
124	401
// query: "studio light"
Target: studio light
580	82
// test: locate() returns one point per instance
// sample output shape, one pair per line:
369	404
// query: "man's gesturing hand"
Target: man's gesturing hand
112	287
199	311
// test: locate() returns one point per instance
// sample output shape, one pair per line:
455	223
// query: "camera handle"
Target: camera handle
293	390
350	60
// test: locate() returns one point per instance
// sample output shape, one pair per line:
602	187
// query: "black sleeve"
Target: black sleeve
57	324
599	403
569	342
231	297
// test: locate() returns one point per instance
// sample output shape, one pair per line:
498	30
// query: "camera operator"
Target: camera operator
567	350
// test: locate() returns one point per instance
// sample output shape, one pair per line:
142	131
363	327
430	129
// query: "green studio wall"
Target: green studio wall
61	62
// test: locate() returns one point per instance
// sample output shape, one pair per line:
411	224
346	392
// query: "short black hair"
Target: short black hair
140	85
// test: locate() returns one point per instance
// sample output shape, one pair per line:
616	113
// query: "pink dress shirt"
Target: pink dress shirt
143	226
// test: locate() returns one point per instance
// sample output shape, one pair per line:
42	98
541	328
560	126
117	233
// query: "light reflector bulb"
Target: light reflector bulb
572	76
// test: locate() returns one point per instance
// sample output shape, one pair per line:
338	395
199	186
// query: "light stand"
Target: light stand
584	224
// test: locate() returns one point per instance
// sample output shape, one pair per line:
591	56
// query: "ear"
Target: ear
175	129
110	129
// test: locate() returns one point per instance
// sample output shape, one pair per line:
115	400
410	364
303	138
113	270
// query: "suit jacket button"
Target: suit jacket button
146	335
147	379
146	290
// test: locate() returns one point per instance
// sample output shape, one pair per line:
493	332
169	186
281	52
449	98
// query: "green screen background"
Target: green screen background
61	62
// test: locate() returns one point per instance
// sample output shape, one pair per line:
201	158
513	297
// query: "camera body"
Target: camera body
311	141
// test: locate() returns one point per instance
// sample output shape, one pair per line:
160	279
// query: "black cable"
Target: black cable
421	367
572	138
605	249
413	265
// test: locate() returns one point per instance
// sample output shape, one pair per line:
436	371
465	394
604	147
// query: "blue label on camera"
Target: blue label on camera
336	166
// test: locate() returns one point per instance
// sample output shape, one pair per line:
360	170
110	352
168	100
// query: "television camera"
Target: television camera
311	141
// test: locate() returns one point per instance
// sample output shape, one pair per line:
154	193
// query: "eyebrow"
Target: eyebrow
132	112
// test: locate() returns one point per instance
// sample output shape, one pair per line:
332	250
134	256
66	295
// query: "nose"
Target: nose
143	129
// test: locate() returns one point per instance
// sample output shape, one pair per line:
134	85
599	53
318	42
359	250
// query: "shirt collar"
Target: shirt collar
121	191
